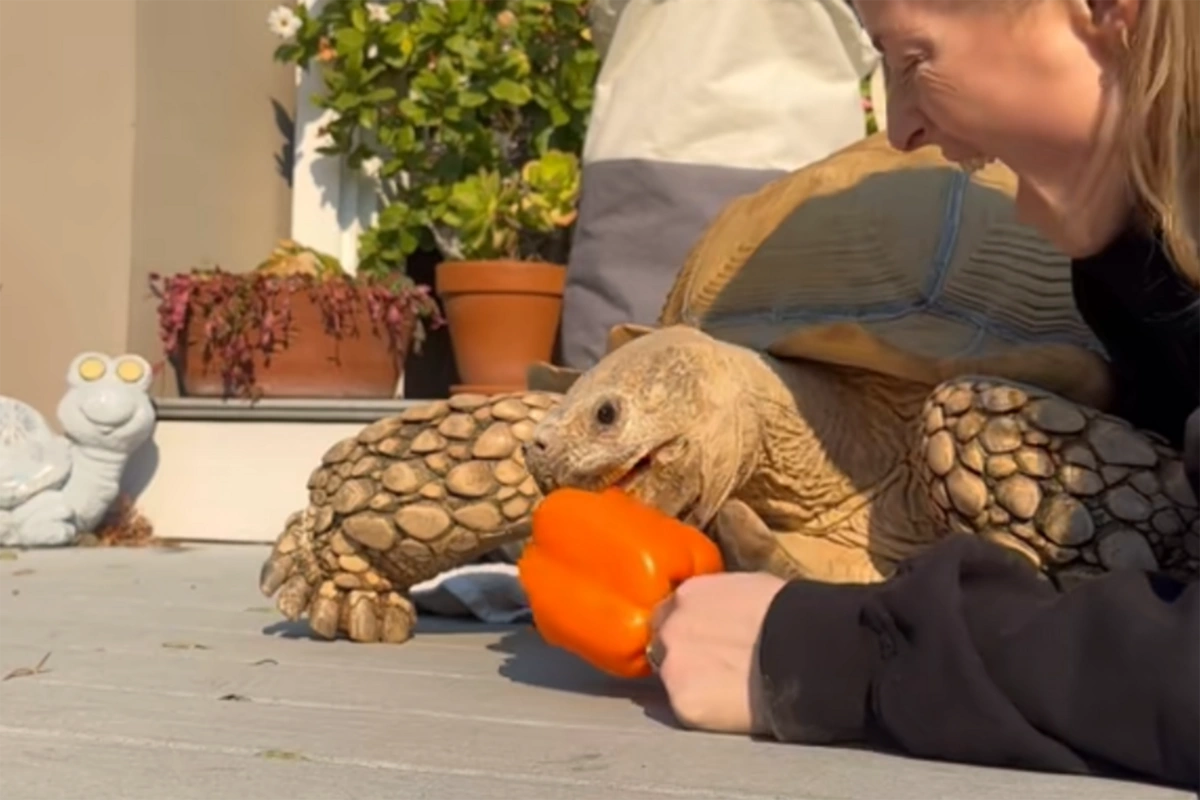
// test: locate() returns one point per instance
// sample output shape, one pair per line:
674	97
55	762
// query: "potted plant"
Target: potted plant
470	116
868	104
295	326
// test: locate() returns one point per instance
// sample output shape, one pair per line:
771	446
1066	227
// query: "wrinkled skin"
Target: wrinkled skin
712	433
621	426
813	470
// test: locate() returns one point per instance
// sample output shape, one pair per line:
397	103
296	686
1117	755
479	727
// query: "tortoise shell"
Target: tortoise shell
902	263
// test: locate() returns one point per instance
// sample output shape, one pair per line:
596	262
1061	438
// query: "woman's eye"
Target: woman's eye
905	68
914	61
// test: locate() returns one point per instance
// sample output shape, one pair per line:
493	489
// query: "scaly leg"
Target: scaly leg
329	579
408	498
1077	491
748	545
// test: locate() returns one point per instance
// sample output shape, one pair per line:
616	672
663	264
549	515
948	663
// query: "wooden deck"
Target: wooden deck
168	677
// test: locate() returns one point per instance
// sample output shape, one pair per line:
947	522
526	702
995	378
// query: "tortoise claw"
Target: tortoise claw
275	571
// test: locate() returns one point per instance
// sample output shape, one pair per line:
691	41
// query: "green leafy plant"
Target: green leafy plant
469	114
236	317
868	105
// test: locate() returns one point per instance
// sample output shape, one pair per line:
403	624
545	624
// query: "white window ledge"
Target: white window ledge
212	409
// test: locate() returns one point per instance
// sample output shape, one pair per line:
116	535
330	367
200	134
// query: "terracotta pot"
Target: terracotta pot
314	364
503	316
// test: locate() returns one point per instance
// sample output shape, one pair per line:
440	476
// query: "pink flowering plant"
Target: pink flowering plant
468	115
249	314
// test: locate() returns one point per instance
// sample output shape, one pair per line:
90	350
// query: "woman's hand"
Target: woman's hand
704	649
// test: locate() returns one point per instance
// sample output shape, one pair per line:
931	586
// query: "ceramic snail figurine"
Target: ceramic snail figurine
55	487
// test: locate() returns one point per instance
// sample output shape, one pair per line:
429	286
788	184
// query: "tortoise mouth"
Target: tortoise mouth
627	476
637	479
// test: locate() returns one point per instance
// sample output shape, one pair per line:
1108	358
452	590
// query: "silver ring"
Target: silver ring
656	653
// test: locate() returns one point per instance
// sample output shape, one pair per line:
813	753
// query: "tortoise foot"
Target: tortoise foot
411	496
330	581
1077	491
361	615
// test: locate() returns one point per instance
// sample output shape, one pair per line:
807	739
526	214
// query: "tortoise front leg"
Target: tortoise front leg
1077	491
407	498
748	545
334	581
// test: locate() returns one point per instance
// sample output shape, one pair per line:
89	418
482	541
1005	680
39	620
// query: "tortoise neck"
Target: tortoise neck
831	441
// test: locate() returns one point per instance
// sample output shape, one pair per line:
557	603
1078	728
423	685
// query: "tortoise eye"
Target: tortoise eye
606	413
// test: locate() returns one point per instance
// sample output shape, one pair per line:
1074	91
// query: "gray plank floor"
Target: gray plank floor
169	677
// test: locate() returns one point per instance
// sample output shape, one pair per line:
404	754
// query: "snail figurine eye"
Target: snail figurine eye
130	371
606	413
92	369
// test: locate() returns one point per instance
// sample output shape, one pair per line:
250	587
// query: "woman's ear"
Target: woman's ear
1114	18
1105	24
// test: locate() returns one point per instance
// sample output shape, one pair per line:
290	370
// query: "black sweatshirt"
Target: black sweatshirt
966	654
1148	320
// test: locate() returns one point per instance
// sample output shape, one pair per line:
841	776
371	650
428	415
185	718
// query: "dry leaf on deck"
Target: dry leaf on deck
25	672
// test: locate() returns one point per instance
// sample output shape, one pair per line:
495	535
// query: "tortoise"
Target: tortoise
838	378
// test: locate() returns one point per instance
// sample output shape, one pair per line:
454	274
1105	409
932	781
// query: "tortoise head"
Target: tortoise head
663	417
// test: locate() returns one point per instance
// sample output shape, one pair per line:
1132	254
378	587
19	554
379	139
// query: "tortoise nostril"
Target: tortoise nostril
534	453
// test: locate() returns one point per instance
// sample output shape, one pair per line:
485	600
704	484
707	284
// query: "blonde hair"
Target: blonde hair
1161	88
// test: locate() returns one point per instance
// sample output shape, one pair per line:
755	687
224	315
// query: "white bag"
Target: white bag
697	101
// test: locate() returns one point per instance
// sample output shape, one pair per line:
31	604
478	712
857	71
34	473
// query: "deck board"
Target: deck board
169	676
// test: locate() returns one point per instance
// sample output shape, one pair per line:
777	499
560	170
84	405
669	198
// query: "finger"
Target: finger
1191	445
661	612
656	649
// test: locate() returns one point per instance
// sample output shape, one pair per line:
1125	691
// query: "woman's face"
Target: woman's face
1031	85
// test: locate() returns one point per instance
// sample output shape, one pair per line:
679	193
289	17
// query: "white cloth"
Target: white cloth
489	592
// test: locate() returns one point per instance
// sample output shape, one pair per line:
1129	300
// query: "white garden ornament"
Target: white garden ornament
55	487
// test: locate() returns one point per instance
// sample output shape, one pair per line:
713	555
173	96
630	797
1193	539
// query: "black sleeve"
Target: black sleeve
1144	314
968	654
1145	368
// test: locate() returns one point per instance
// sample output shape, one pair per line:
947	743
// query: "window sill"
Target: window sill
212	409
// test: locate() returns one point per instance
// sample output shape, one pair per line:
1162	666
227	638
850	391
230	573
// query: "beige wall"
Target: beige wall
135	136
66	187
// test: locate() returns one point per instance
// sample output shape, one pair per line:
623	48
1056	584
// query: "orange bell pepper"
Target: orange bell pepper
597	565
